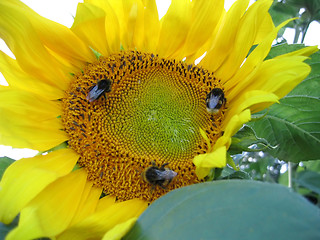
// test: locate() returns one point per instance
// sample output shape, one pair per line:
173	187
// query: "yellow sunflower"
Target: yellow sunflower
139	117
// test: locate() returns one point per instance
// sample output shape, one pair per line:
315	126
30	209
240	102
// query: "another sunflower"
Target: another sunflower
122	89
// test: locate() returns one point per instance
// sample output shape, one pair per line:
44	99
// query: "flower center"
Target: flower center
160	120
142	111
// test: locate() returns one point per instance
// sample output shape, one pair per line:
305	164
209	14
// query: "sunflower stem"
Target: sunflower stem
304	31
297	34
290	174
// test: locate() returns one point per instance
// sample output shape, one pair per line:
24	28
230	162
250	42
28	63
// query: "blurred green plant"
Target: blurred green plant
306	12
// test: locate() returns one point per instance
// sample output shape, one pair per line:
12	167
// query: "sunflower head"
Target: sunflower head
139	115
142	109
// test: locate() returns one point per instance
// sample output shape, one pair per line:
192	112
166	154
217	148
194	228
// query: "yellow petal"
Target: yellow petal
174	28
63	41
202	50
264	30
287	73
105	202
17	78
249	100
134	17
204	135
28	124
27	105
239	81
58	38
130	15
99	223
231	127
112	28
112	31
205	162
89	25
205	17
50	212
33	136
151	26
25	178
244	39
120	230
278	76
31	54
118	9
225	37
88	203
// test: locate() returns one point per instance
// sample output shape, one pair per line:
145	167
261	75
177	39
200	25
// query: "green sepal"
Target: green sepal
96	53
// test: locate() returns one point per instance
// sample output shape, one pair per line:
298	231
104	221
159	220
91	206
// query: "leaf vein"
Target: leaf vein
293	126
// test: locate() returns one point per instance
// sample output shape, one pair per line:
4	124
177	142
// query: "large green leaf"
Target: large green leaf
232	209
294	124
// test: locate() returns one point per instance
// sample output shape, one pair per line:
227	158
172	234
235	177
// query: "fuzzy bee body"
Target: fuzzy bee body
95	92
158	176
215	99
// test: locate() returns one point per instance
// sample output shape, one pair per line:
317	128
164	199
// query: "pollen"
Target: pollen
152	115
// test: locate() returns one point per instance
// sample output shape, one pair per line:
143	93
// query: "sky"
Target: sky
62	11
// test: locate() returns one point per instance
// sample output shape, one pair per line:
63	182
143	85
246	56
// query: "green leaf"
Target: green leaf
309	180
283	49
312	166
245	138
4	163
294	124
280	12
283	179
310	6
232	209
229	173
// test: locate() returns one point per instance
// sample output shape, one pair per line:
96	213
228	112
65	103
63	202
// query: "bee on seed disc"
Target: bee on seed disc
215	99
158	176
101	88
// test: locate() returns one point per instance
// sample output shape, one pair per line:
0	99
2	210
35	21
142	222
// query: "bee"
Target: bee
101	88
158	176
215	99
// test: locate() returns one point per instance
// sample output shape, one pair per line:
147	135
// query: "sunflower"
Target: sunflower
120	111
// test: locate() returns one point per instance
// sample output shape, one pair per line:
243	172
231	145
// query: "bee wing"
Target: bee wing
94	93
212	102
165	175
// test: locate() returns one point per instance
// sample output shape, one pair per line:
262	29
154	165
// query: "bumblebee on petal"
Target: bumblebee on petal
215	99
101	88
158	176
